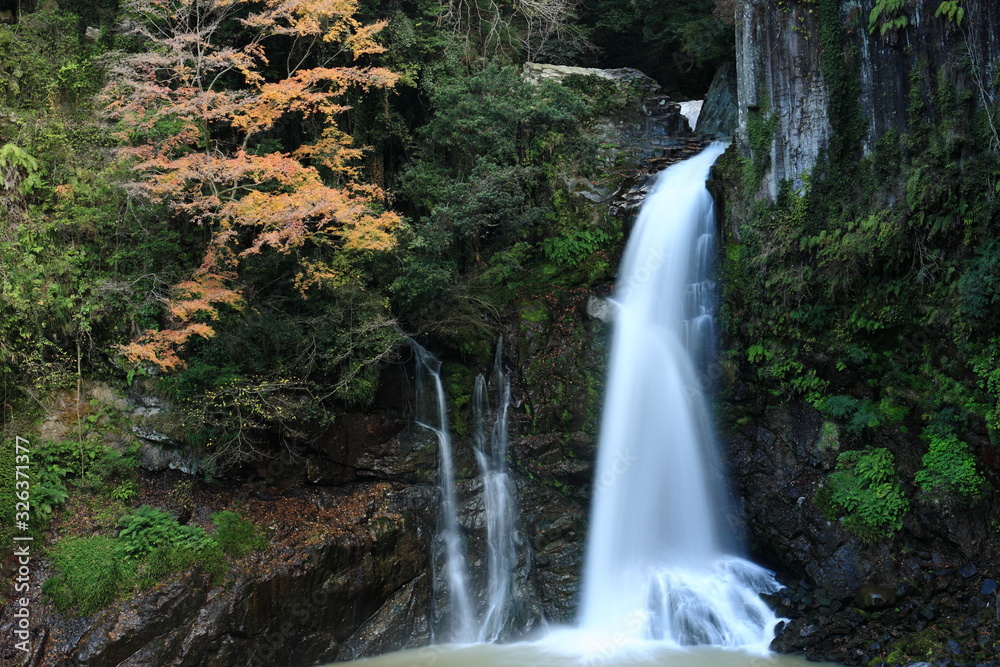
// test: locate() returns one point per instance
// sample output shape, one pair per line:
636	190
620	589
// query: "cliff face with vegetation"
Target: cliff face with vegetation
783	72
860	307
272	502
265	497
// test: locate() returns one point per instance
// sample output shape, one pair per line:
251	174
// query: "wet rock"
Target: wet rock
401	623
780	72
720	113
350	593
968	570
155	458
377	446
875	597
600	309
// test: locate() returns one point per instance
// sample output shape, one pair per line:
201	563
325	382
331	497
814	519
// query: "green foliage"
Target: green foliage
980	285
887	15
986	364
863	413
679	43
481	189
149	529
20	171
235	535
89	463
760	136
90	573
948	468
924	646
44	63
829	437
863	273
865	493
125	491
951	10
574	247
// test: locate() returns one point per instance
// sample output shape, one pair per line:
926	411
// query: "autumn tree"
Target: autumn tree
200	107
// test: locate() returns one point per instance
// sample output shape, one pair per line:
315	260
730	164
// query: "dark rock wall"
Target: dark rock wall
334	584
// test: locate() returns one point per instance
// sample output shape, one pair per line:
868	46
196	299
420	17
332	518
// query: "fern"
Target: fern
864	494
574	247
949	469
149	529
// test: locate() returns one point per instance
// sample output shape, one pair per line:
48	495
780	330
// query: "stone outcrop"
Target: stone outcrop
346	575
720	113
849	600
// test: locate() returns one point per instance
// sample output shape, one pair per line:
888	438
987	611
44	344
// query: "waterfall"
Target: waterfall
432	414
491	453
655	565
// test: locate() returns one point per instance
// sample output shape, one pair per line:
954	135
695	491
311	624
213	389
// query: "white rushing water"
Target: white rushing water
432	414
655	566
498	496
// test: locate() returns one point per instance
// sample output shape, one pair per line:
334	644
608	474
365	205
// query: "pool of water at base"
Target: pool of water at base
574	650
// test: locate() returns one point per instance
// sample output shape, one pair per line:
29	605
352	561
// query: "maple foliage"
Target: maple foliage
191	109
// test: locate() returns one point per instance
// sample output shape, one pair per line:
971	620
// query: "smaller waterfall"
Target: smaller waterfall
498	497
432	414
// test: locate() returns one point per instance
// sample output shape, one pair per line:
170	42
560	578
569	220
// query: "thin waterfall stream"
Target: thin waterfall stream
432	414
498	496
490	447
655	566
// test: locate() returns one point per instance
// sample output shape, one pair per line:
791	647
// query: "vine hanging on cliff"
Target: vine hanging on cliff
887	17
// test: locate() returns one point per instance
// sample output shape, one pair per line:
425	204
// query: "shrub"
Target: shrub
92	571
949	468
150	529
235	535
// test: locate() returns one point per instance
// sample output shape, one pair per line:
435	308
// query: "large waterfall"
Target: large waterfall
655	567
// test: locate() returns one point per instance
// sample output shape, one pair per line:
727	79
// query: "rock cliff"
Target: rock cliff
789	52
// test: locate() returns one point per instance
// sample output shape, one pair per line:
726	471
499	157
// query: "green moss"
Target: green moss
924	646
829	438
459	383
760	136
535	312
235	535
91	571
